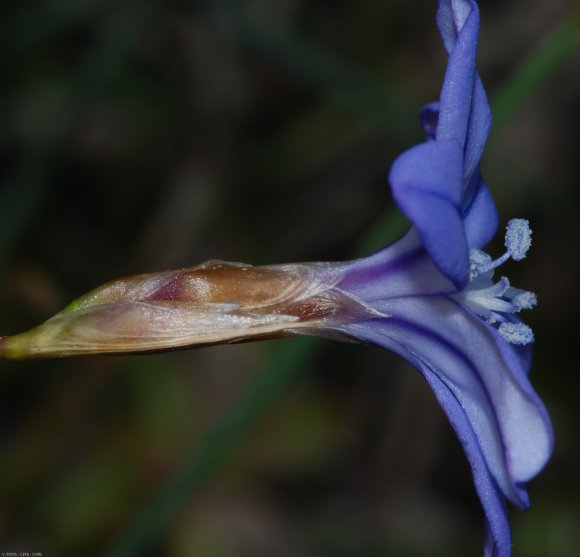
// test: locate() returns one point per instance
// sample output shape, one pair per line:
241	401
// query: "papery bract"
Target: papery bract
215	302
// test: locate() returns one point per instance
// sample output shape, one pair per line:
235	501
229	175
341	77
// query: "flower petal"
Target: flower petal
427	181
478	128
480	216
457	91
451	17
466	115
498	543
402	268
484	375
498	538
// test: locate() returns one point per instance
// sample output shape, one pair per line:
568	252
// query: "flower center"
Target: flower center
497	302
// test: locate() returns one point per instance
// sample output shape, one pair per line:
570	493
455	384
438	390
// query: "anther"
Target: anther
518	238
522	298
516	333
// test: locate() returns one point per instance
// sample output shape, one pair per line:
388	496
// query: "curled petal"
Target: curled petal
451	17
478	129
427	184
480	216
465	113
456	94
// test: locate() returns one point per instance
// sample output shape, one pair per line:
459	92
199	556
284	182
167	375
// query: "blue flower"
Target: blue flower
434	289
430	296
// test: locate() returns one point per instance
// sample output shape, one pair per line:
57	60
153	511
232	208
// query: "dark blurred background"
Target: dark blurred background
146	135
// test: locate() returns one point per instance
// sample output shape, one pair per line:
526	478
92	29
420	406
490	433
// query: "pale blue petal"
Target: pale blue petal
492	498
482	372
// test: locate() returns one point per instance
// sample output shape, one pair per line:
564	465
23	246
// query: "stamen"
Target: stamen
493	302
516	333
522	298
499	288
489	299
518	240
494	264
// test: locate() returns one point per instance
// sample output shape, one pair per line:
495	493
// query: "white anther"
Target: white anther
516	333
523	299
518	238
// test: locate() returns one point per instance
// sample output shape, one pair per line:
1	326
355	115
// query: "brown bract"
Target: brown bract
215	302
